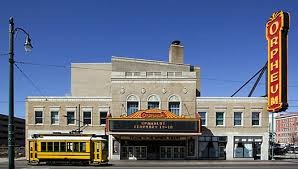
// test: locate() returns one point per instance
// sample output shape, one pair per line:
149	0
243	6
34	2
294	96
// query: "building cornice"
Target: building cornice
232	99
67	98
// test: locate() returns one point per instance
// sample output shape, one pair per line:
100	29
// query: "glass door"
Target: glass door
176	152
162	152
182	152
166	152
130	152
143	154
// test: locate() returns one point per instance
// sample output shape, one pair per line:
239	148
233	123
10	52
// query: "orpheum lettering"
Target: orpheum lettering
276	35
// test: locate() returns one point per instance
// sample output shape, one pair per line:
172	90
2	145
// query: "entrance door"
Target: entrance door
130	152
178	152
166	152
97	151
32	151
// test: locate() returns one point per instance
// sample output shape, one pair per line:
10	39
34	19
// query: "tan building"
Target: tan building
153	110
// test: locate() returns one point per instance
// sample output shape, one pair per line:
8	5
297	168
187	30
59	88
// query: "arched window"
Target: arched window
153	102
174	104
132	104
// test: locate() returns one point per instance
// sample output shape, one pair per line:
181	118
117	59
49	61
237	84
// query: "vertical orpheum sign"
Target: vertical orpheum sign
277	36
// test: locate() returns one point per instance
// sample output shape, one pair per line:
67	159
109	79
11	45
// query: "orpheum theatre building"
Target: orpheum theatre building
150	109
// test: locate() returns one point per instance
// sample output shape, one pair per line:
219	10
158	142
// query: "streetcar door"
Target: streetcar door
32	151
97	151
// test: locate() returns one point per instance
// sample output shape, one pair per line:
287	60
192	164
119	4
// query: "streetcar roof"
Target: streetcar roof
78	138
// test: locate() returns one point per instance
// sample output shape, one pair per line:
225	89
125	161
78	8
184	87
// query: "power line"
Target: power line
61	66
29	79
88	68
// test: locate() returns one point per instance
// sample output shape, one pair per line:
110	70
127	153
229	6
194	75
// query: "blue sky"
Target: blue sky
225	38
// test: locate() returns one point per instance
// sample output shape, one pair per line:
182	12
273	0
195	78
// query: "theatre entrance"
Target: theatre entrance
153	134
153	150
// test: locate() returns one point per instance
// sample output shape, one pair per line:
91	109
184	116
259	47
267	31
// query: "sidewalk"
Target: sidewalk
6	159
199	162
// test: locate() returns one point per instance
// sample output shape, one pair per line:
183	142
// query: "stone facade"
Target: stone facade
107	87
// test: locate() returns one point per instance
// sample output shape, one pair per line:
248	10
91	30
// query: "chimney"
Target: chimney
176	53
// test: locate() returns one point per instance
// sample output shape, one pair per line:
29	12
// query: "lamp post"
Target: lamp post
28	47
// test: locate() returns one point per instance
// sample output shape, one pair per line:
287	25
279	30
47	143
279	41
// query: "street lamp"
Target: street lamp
28	47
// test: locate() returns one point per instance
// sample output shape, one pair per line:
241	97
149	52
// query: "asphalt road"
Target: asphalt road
22	164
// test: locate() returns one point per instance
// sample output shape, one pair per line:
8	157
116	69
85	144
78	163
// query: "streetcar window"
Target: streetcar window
69	146
62	147
83	146
56	146
43	146
76	147
50	146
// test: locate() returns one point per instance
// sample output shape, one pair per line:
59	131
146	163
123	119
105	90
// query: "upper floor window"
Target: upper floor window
70	117
255	118
203	118
152	74
54	117
174	105
87	117
102	117
153	102
132	74
237	118
219	118
38	117
132	104
174	74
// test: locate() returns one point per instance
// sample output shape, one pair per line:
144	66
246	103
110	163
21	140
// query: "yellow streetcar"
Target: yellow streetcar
68	148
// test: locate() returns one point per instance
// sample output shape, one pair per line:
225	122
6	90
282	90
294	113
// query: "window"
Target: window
54	117
153	102
70	117
255	118
131	74
82	146
116	147
87	117
219	118
38	117
132	104
69	146
43	146
174	105
203	118
152	74
56	146
62	147
102	117
50	146
237	118
76	147
132	107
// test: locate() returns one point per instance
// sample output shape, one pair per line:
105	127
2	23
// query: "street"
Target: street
22	164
